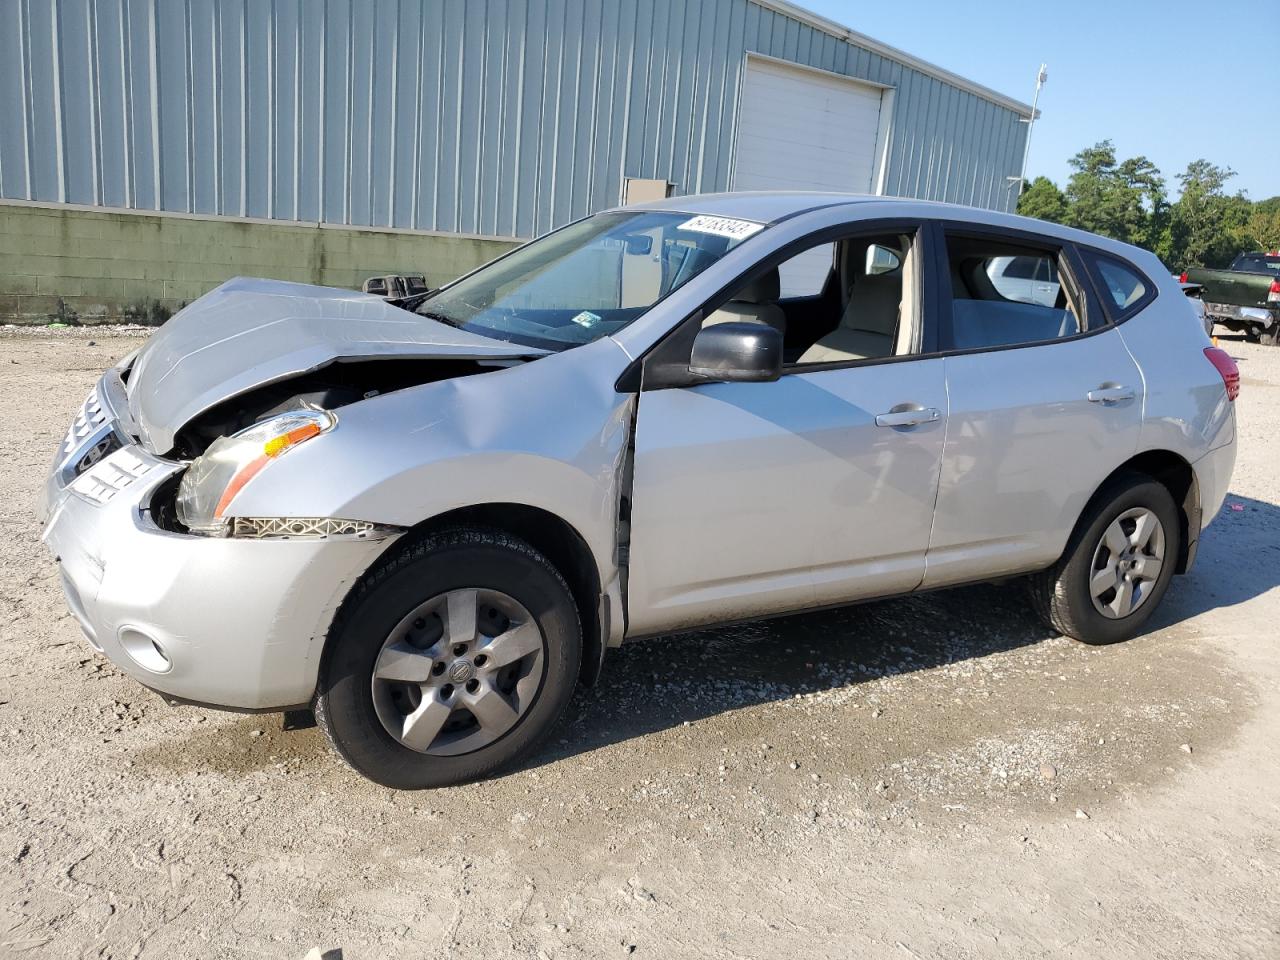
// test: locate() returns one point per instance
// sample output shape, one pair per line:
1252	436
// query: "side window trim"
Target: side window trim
1091	256
1076	276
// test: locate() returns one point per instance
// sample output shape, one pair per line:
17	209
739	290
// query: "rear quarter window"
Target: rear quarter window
1123	288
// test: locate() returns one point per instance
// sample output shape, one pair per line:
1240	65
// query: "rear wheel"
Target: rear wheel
450	661
1117	565
1268	337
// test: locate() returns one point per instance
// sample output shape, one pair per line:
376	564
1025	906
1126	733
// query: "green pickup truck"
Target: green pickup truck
1245	297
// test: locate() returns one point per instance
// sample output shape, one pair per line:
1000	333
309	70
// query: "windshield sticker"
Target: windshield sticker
586	319
723	227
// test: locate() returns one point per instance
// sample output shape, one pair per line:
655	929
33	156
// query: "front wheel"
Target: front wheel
450	661
1117	565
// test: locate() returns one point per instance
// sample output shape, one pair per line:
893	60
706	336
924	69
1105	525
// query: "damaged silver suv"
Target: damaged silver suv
430	521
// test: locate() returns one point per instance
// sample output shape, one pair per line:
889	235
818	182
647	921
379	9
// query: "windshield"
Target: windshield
588	280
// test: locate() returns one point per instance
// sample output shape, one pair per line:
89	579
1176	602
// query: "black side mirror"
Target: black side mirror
747	352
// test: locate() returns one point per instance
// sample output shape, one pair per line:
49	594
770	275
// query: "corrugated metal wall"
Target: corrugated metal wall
490	117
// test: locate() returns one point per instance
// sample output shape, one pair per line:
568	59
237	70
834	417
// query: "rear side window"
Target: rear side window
1005	294
1123	287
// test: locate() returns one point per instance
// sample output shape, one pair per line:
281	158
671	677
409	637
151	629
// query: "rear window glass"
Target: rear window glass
991	308
1257	264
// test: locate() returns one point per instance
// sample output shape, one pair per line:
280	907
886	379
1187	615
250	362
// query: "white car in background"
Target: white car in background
1026	279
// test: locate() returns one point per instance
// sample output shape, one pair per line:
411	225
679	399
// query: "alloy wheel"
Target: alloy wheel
458	672
1127	562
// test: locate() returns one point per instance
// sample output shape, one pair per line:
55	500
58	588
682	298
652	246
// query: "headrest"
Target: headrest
765	288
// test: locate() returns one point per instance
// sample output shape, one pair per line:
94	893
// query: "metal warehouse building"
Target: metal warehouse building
152	148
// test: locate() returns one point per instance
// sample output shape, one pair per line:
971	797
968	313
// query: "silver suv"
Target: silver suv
431	522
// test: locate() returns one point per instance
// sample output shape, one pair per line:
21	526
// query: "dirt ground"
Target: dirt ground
936	777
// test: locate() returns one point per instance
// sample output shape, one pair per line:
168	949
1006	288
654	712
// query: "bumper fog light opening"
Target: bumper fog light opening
145	650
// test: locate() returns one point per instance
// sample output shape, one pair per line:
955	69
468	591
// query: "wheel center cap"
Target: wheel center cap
461	671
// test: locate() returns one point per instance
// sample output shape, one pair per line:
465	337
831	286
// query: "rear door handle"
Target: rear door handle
1111	393
907	415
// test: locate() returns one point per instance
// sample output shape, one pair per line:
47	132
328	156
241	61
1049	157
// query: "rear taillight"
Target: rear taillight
1273	295
1183	278
1223	363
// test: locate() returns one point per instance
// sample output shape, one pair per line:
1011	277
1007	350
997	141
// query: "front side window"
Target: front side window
860	300
805	275
588	280
1005	294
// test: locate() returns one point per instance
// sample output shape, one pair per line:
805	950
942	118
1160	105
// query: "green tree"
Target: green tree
1262	230
1206	224
1043	200
1125	200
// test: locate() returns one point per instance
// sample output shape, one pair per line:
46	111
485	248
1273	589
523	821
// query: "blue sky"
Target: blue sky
1175	81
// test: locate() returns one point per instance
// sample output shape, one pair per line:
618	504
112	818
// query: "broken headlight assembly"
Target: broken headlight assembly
216	476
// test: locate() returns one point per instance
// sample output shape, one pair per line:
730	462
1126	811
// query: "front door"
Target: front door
758	498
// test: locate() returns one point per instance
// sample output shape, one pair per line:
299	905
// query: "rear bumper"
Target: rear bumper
1213	477
228	622
1230	313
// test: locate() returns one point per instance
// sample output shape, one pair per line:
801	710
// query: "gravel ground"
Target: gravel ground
930	777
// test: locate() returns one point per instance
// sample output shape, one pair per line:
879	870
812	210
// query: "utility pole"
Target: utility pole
1021	179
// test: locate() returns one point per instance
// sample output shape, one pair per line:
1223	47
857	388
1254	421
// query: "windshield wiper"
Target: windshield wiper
449	321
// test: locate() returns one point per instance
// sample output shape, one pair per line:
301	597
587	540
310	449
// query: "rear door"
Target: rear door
1045	402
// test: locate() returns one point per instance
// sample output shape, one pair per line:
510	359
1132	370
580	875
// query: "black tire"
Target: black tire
1268	337
1253	333
453	559
1061	594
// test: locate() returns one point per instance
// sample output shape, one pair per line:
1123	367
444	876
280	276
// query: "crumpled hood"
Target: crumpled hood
248	333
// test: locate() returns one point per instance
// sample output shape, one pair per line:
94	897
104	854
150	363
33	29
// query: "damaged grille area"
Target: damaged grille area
90	417
96	453
104	480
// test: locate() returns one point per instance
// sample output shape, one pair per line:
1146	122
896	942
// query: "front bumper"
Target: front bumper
227	622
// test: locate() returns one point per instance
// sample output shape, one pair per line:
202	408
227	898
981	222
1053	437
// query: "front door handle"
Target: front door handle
908	415
1111	393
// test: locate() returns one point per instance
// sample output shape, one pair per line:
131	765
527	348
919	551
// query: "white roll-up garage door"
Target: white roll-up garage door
802	129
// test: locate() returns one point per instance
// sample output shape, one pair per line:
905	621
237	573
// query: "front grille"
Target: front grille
106	478
90	417
100	450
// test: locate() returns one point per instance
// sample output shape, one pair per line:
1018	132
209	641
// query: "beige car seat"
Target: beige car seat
867	325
